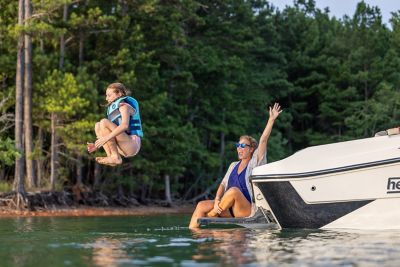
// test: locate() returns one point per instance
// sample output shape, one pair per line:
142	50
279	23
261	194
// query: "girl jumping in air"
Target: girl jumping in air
121	132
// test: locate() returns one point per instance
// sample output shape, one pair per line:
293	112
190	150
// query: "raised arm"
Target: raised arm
262	146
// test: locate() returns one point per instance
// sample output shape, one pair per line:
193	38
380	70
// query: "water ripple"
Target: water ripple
148	241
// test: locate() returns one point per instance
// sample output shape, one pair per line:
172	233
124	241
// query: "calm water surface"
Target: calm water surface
166	241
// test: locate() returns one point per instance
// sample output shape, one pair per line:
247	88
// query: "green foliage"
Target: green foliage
5	187
379	112
8	153
204	73
62	94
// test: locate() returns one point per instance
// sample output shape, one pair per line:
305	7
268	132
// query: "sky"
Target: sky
339	8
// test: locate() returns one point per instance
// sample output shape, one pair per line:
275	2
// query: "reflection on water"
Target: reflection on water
227	246
166	241
326	248
108	252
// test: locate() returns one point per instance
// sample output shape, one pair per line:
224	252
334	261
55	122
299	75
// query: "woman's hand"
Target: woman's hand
217	209
275	111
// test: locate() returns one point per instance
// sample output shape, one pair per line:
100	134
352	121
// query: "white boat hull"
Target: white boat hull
379	214
353	184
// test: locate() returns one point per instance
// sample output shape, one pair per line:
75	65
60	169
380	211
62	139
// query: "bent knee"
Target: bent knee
104	122
203	205
233	191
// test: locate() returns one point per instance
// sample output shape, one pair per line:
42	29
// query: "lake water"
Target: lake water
166	241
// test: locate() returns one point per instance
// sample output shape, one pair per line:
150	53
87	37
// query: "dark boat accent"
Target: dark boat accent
325	171
292	212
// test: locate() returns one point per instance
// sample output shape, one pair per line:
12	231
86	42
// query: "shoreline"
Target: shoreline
86	211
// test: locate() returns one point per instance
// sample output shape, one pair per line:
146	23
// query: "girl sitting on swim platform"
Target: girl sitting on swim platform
121	132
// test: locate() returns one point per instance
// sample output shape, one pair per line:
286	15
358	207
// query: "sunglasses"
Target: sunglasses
241	145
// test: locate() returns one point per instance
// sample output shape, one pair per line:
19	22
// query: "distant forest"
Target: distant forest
204	73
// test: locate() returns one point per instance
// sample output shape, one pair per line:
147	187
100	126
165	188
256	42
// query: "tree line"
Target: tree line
204	73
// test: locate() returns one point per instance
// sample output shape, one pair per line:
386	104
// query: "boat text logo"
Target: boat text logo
393	185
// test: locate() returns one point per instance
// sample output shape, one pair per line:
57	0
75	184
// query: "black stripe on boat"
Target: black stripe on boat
326	171
292	212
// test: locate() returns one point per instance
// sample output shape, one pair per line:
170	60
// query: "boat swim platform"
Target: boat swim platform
258	221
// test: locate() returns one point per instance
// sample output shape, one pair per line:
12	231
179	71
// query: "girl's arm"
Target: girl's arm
124	126
262	146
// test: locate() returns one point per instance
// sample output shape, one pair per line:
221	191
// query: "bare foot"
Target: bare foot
110	161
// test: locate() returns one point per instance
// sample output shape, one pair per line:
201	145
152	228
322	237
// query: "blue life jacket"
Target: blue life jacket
135	124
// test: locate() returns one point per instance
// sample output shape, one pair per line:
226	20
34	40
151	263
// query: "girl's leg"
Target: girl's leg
128	145
122	144
233	198
99	133
202	208
103	128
